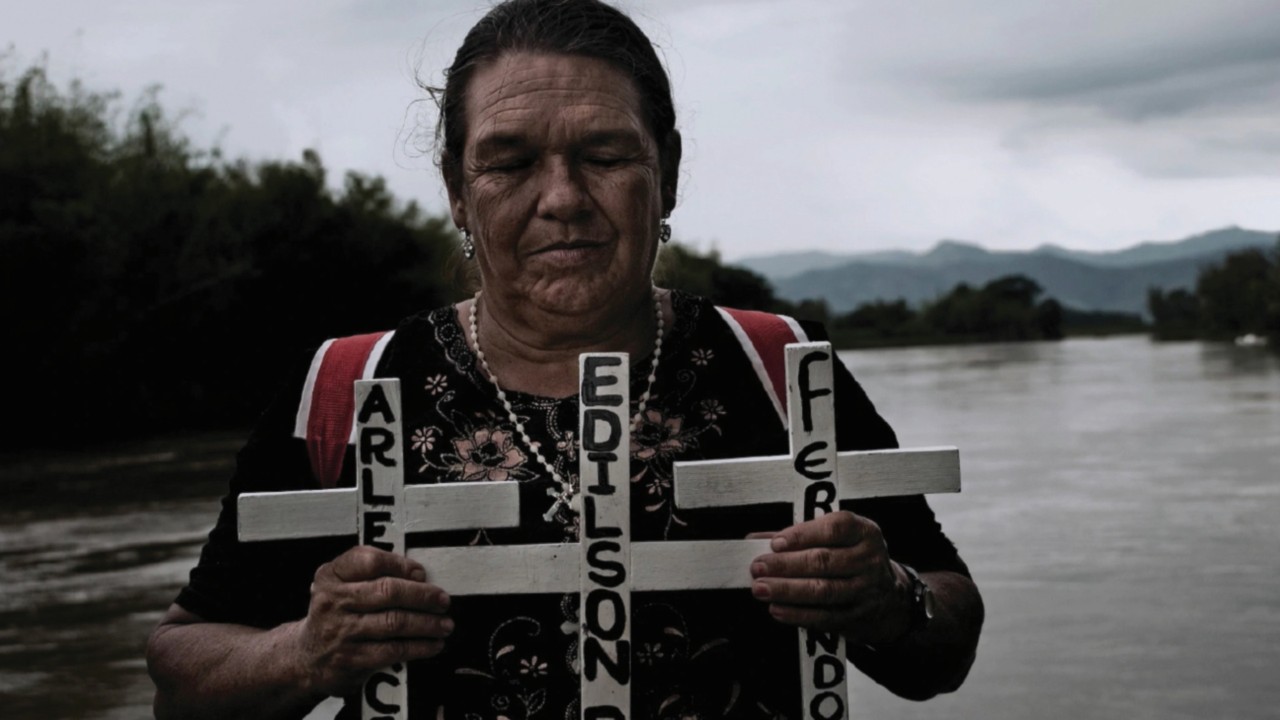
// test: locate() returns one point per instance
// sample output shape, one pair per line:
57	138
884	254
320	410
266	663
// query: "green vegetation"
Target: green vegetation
1237	297
1101	323
1004	309
1175	315
686	269
147	285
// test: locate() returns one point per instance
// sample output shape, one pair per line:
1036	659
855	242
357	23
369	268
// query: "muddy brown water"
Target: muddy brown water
1118	512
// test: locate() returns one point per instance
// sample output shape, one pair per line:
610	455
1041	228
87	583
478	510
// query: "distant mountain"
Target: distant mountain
784	265
1116	281
1213	242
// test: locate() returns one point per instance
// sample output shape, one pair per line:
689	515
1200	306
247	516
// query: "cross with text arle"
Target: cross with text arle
380	511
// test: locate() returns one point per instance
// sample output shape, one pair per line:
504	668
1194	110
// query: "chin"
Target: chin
573	296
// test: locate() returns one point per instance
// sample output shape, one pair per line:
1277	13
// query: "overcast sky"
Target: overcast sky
824	124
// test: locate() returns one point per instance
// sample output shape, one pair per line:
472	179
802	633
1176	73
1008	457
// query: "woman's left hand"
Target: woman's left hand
834	573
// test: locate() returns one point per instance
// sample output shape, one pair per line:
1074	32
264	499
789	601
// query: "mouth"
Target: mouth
570	246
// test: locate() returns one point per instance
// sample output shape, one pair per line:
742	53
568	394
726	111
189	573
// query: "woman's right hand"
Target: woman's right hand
369	609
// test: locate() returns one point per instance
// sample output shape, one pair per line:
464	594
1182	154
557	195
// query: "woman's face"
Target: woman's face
560	183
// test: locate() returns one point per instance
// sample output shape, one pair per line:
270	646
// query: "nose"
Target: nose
563	192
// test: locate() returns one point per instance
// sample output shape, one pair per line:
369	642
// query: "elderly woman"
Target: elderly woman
561	158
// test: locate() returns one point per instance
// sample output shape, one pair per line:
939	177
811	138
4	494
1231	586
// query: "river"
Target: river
1118	513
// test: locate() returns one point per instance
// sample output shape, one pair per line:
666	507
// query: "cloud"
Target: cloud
843	124
1117	57
1169	88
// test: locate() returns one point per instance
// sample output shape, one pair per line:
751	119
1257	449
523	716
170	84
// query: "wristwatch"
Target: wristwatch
921	599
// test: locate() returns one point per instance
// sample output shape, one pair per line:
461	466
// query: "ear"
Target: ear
457	197
669	161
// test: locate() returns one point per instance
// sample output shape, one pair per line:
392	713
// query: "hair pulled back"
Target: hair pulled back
572	27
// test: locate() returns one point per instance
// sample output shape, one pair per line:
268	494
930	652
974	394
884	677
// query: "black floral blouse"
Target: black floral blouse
703	654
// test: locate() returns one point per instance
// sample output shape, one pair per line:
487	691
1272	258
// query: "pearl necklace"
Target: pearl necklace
565	493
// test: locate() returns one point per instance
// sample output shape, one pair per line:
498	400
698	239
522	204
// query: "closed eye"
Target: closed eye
512	164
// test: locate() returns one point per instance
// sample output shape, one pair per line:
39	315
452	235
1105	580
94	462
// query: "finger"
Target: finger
814	592
366	563
833	529
762	535
386	593
401	625
821	562
816	618
374	655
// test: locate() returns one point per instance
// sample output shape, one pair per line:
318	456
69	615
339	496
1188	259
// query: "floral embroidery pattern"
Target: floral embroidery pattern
658	434
515	679
658	486
424	439
698	683
659	437
567	445
702	356
711	409
487	455
532	666
650	654
436	384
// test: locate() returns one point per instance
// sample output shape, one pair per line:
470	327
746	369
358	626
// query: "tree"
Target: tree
1175	315
1273	301
683	268
1234	295
879	319
1003	309
150	284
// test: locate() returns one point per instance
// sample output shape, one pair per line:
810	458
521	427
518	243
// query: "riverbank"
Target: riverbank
845	340
94	543
37	482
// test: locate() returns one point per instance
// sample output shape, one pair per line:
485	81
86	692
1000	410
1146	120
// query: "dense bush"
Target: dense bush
1004	309
1239	296
145	284
1234	295
686	269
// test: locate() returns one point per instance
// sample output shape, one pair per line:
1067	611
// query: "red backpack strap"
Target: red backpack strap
763	337
327	408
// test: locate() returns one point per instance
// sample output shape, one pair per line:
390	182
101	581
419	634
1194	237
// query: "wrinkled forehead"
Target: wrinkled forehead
547	95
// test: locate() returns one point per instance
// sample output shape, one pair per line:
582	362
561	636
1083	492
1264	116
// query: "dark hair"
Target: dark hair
572	27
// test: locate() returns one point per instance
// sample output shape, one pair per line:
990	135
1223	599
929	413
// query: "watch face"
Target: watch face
928	602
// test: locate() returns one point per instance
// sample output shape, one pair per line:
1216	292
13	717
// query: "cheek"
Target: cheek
632	198
495	206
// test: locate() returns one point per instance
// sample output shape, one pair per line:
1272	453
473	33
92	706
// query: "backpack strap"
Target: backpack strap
326	410
763	337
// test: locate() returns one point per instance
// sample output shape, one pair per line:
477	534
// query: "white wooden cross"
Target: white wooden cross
605	567
380	510
820	478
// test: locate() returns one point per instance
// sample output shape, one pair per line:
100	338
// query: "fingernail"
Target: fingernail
446	626
418	574
779	544
443	600
758	569
760	591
